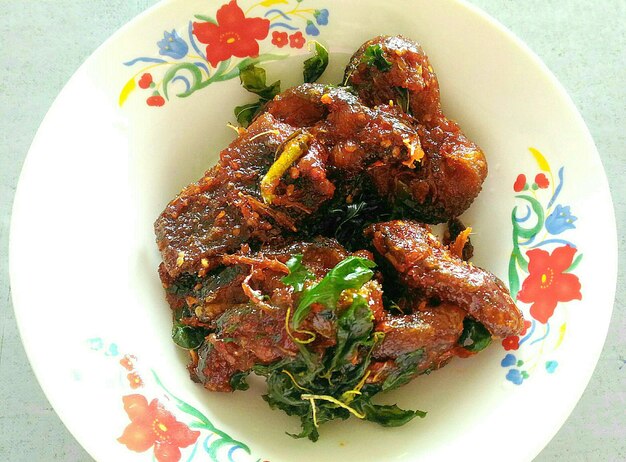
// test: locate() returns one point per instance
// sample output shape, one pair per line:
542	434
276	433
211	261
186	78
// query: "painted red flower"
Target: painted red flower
233	35
527	324
511	343
542	180
297	40
145	81
128	362
547	284
520	182
134	380
156	100
152	425
280	39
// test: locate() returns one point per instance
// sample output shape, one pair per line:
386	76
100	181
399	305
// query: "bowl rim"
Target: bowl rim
586	369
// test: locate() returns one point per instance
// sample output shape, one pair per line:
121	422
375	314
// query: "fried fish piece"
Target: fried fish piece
424	263
395	69
255	331
435	330
223	210
355	135
277	173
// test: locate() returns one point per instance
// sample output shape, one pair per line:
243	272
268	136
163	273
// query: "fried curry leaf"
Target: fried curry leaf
238	381
320	387
354	328
254	80
346	222
350	273
183	285
247	112
315	66
475	336
188	285
404	99
389	415
298	273
183	335
187	336
374	56
406	370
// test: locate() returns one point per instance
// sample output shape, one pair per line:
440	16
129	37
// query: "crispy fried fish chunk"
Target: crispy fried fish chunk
433	329
424	263
328	136
396	69
254	332
223	210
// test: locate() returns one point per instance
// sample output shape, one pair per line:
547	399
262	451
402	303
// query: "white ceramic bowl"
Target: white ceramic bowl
111	153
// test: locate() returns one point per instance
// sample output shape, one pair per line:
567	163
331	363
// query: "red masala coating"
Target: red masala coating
354	135
221	211
382	143
419	160
205	297
409	68
434	329
246	336
224	210
424	263
454	168
251	333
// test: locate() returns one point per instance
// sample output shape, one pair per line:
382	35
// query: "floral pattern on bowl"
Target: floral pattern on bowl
546	261
113	170
214	49
217	48
159	421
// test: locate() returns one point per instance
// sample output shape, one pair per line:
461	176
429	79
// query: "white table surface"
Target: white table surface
43	42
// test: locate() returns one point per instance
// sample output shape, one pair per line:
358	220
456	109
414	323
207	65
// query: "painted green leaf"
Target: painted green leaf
575	263
183	406
521	261
528	233
513	277
203	17
196	75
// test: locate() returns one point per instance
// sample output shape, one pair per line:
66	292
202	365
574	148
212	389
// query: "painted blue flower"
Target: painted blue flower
561	219
95	343
311	29
509	360
321	16
515	376
551	366
112	351
173	45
